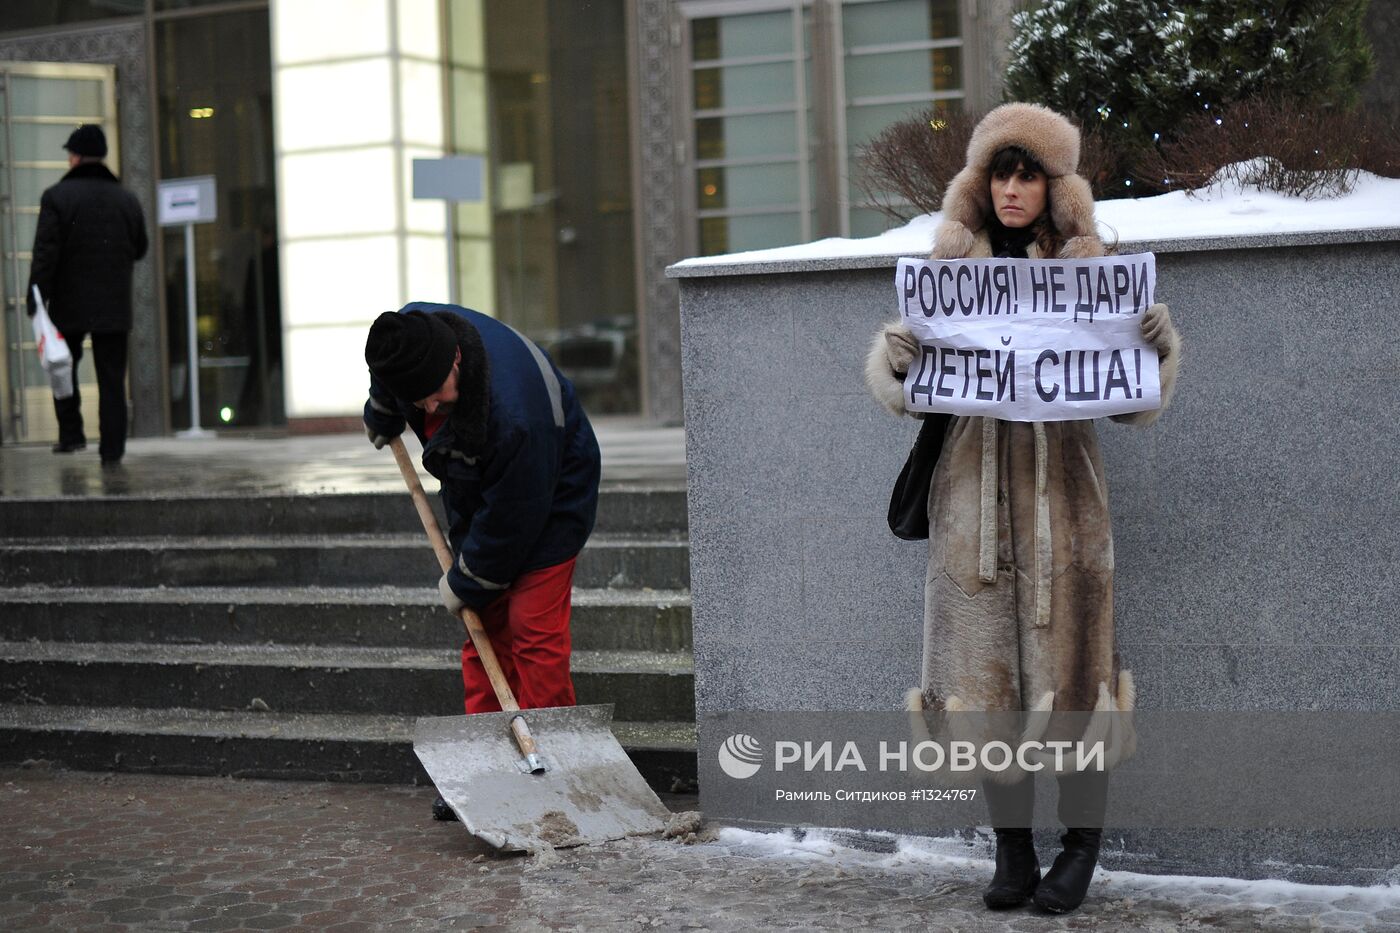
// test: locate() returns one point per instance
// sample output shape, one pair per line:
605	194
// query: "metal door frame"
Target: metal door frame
13	386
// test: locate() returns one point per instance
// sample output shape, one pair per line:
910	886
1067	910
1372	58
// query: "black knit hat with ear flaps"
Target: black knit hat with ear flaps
411	353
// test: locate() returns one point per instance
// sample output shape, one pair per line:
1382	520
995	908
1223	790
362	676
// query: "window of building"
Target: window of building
540	89
898	56
780	97
748	115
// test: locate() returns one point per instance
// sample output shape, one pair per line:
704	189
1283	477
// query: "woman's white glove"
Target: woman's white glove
901	346
1158	330
451	600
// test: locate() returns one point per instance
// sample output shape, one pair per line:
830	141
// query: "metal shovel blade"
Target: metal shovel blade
590	791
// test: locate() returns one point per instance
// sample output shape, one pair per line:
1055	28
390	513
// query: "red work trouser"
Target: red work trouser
529	630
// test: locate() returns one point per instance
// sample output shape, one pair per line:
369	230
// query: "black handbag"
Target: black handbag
909	502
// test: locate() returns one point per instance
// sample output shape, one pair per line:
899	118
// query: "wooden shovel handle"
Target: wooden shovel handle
444	555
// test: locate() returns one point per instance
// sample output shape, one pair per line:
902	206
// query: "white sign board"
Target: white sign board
1030	339
191	200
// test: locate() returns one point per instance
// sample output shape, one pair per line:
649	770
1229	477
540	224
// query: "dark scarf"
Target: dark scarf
468	417
1010	242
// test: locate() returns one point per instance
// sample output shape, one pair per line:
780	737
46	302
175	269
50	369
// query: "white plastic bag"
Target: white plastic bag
54	354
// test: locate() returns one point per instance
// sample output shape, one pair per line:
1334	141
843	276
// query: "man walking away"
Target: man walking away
91	231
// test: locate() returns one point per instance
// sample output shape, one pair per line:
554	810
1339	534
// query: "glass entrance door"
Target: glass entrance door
40	104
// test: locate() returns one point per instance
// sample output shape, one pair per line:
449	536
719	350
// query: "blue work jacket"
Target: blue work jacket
525	498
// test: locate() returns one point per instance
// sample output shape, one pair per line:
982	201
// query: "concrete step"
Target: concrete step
136	632
643	686
623	508
618	561
603	619
296	746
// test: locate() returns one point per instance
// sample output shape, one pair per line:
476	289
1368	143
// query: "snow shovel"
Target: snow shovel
532	780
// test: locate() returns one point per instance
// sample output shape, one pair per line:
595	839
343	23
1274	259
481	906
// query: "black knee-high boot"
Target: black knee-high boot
1018	870
1083	802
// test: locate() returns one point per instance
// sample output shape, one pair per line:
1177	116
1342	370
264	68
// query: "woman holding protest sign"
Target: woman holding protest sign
1019	592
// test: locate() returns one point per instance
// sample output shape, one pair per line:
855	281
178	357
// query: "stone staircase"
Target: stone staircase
298	636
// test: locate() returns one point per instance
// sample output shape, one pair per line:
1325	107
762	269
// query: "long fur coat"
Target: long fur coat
1018	599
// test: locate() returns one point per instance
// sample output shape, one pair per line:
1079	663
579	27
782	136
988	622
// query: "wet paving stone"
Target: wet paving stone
632	451
271	855
137	915
191	914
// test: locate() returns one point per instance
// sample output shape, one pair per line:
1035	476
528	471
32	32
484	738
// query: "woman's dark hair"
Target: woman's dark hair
1012	159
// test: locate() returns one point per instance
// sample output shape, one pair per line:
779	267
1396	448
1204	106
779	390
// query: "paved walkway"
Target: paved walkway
633	451
114	851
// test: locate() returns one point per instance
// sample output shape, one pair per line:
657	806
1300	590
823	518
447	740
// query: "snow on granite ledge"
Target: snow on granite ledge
1232	214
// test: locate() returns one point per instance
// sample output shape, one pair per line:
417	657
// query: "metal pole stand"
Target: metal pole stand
194	431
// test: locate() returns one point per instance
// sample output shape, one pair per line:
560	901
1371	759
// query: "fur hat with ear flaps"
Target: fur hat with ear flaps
1054	141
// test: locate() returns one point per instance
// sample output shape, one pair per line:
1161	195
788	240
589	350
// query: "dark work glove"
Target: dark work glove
378	440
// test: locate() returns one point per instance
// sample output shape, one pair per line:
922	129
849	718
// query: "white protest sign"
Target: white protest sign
1030	339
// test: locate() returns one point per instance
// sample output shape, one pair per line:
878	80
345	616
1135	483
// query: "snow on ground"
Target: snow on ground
1222	210
951	856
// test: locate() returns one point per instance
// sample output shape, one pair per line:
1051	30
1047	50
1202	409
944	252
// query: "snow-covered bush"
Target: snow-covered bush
1277	144
1168	92
1139	68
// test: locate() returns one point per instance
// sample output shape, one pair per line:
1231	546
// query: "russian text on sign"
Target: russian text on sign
1030	339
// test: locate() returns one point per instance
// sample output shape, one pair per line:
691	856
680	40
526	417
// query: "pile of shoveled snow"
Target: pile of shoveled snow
958	858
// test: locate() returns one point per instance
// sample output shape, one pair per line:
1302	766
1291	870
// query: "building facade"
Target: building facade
614	137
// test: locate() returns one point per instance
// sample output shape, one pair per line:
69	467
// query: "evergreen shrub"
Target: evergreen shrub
1167	94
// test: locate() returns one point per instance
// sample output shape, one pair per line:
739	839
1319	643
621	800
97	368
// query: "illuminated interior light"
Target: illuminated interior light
354	240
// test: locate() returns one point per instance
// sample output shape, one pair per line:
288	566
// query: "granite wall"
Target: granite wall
1255	524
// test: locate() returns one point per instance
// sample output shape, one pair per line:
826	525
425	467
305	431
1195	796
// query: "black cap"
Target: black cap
410	353
87	140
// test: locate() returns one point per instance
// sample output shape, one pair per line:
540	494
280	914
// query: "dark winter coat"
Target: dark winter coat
517	458
91	230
